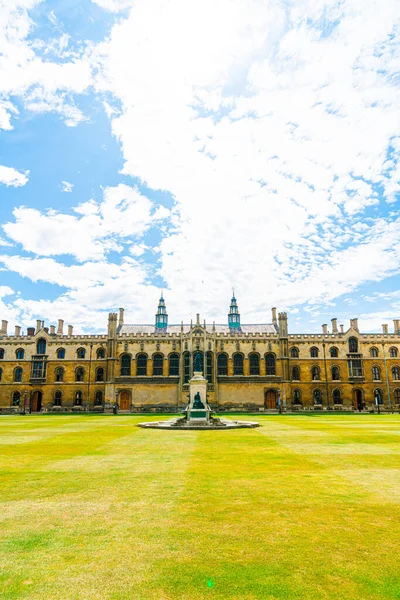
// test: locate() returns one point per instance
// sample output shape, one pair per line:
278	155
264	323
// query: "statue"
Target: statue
197	401
198	363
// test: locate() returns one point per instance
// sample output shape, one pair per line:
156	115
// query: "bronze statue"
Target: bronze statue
197	401
198	363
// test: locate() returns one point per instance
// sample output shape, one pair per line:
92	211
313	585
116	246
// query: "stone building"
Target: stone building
248	367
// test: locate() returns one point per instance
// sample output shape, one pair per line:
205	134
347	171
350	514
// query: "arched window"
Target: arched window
314	352
78	398
101	353
79	374
186	367
174	365
376	373
378	396
333	352
158	365
98	399
353	344
125	365
296	397
1	353
222	364
141	362
392	352
41	346
395	373
270	368
1	374
16	398
209	367
18	375
59	374
335	374
317	396
20	353
58	398
254	364
294	352
100	374
337	398
397	396
61	353
373	352
238	364
315	373
296	373
81	353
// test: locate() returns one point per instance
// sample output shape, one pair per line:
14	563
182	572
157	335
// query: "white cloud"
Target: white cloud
66	186
11	177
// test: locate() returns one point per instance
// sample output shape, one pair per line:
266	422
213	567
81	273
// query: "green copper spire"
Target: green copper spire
234	315
161	315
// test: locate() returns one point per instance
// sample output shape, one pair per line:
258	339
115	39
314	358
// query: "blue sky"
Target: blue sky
197	147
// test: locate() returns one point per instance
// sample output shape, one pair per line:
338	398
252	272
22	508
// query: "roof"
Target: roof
150	329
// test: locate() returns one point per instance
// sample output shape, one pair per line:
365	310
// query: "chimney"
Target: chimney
121	317
46	329
70	329
334	326
396	324
52	330
197	318
38	325
30	331
274	321
385	328
60	328
354	324
17	331
342	329
3	329
324	328
42	324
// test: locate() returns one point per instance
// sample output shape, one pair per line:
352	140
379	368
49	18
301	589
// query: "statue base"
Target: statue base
197	391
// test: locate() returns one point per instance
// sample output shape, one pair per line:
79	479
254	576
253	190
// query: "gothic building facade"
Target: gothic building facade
247	367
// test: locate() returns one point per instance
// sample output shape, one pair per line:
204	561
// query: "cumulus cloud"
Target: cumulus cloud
11	177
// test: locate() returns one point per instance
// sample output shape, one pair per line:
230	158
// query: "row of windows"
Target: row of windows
337	396
58	396
38	371
41	349
335	373
334	352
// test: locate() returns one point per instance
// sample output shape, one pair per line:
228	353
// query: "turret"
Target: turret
234	315
161	315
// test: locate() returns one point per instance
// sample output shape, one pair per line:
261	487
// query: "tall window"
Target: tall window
100	374
254	364
20	353
315	374
335	374
125	365
397	396
41	346
270	367
222	364
317	396
209	367
376	373
238	364
392	352
314	352
333	352
174	365
79	374
61	353
98	399
141	362
294	352
57	398
378	396
81	353
1	353
18	375
101	353
1	374
78	398
296	397
38	369
186	367
59	374
373	352
296	373
337	398
353	344
16	398
395	373
158	365
355	368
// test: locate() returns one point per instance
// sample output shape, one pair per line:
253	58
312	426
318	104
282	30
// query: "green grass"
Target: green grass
93	507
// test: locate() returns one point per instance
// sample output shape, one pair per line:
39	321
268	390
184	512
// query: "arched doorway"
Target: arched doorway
124	400
36	405
358	400
270	399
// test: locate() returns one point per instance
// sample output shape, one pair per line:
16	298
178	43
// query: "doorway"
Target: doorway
270	399
36	405
124	401
358	400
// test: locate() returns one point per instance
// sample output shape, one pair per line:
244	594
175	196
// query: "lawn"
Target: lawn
93	507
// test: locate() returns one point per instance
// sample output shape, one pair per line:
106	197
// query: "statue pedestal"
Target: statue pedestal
197	387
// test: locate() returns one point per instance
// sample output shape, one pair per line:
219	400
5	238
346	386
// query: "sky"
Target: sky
198	146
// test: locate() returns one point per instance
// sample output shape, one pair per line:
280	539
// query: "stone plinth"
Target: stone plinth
197	389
